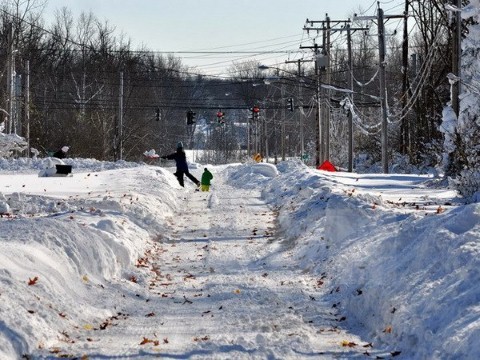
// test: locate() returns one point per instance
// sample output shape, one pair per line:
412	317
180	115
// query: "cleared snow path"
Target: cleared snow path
217	286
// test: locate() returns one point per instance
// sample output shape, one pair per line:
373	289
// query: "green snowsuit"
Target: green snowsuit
205	181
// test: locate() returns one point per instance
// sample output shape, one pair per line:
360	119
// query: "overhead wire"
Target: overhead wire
241	54
421	78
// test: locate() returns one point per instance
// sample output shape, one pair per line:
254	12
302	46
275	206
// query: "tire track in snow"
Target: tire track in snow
249	305
220	286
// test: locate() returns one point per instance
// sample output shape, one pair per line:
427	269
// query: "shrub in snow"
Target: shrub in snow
4	207
9	143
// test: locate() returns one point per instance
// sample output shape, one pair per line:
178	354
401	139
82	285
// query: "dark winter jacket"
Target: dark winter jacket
206	177
180	159
59	154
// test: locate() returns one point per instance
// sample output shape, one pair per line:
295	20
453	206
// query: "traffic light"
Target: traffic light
255	111
290	104
190	117
157	114
220	117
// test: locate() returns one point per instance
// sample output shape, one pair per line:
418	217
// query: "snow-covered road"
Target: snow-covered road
276	262
217	287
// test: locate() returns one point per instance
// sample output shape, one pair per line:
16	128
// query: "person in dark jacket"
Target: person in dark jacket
60	154
182	166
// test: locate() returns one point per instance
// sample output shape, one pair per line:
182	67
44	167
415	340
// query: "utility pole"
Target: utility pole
318	125
349	30
327	26
283	120
120	116
318	146
10	81
383	89
382	77
300	115
300	103
248	136
350	112
265	135
326	50
27	105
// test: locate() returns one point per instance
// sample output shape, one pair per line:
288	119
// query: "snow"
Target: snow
277	262
151	154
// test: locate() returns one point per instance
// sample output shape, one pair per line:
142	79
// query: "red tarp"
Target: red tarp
327	166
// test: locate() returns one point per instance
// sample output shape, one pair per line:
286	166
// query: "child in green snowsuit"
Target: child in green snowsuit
205	181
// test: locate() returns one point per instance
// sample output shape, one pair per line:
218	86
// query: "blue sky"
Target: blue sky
240	25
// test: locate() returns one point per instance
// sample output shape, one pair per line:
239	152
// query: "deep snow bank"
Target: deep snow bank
60	251
411	279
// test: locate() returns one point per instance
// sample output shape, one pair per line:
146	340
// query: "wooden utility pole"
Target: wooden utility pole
327	26
382	77
27	105
350	112
328	73
282	89
349	30
323	95
249	152
300	112
120	117
300	103
318	132
318	125
383	89
10	81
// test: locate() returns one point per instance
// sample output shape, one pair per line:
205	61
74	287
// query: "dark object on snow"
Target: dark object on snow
63	169
60	154
182	166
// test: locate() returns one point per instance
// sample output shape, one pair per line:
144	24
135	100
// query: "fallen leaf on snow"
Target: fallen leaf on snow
146	341
33	281
205	338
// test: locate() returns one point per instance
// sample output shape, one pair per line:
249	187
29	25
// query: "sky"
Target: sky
221	25
283	262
